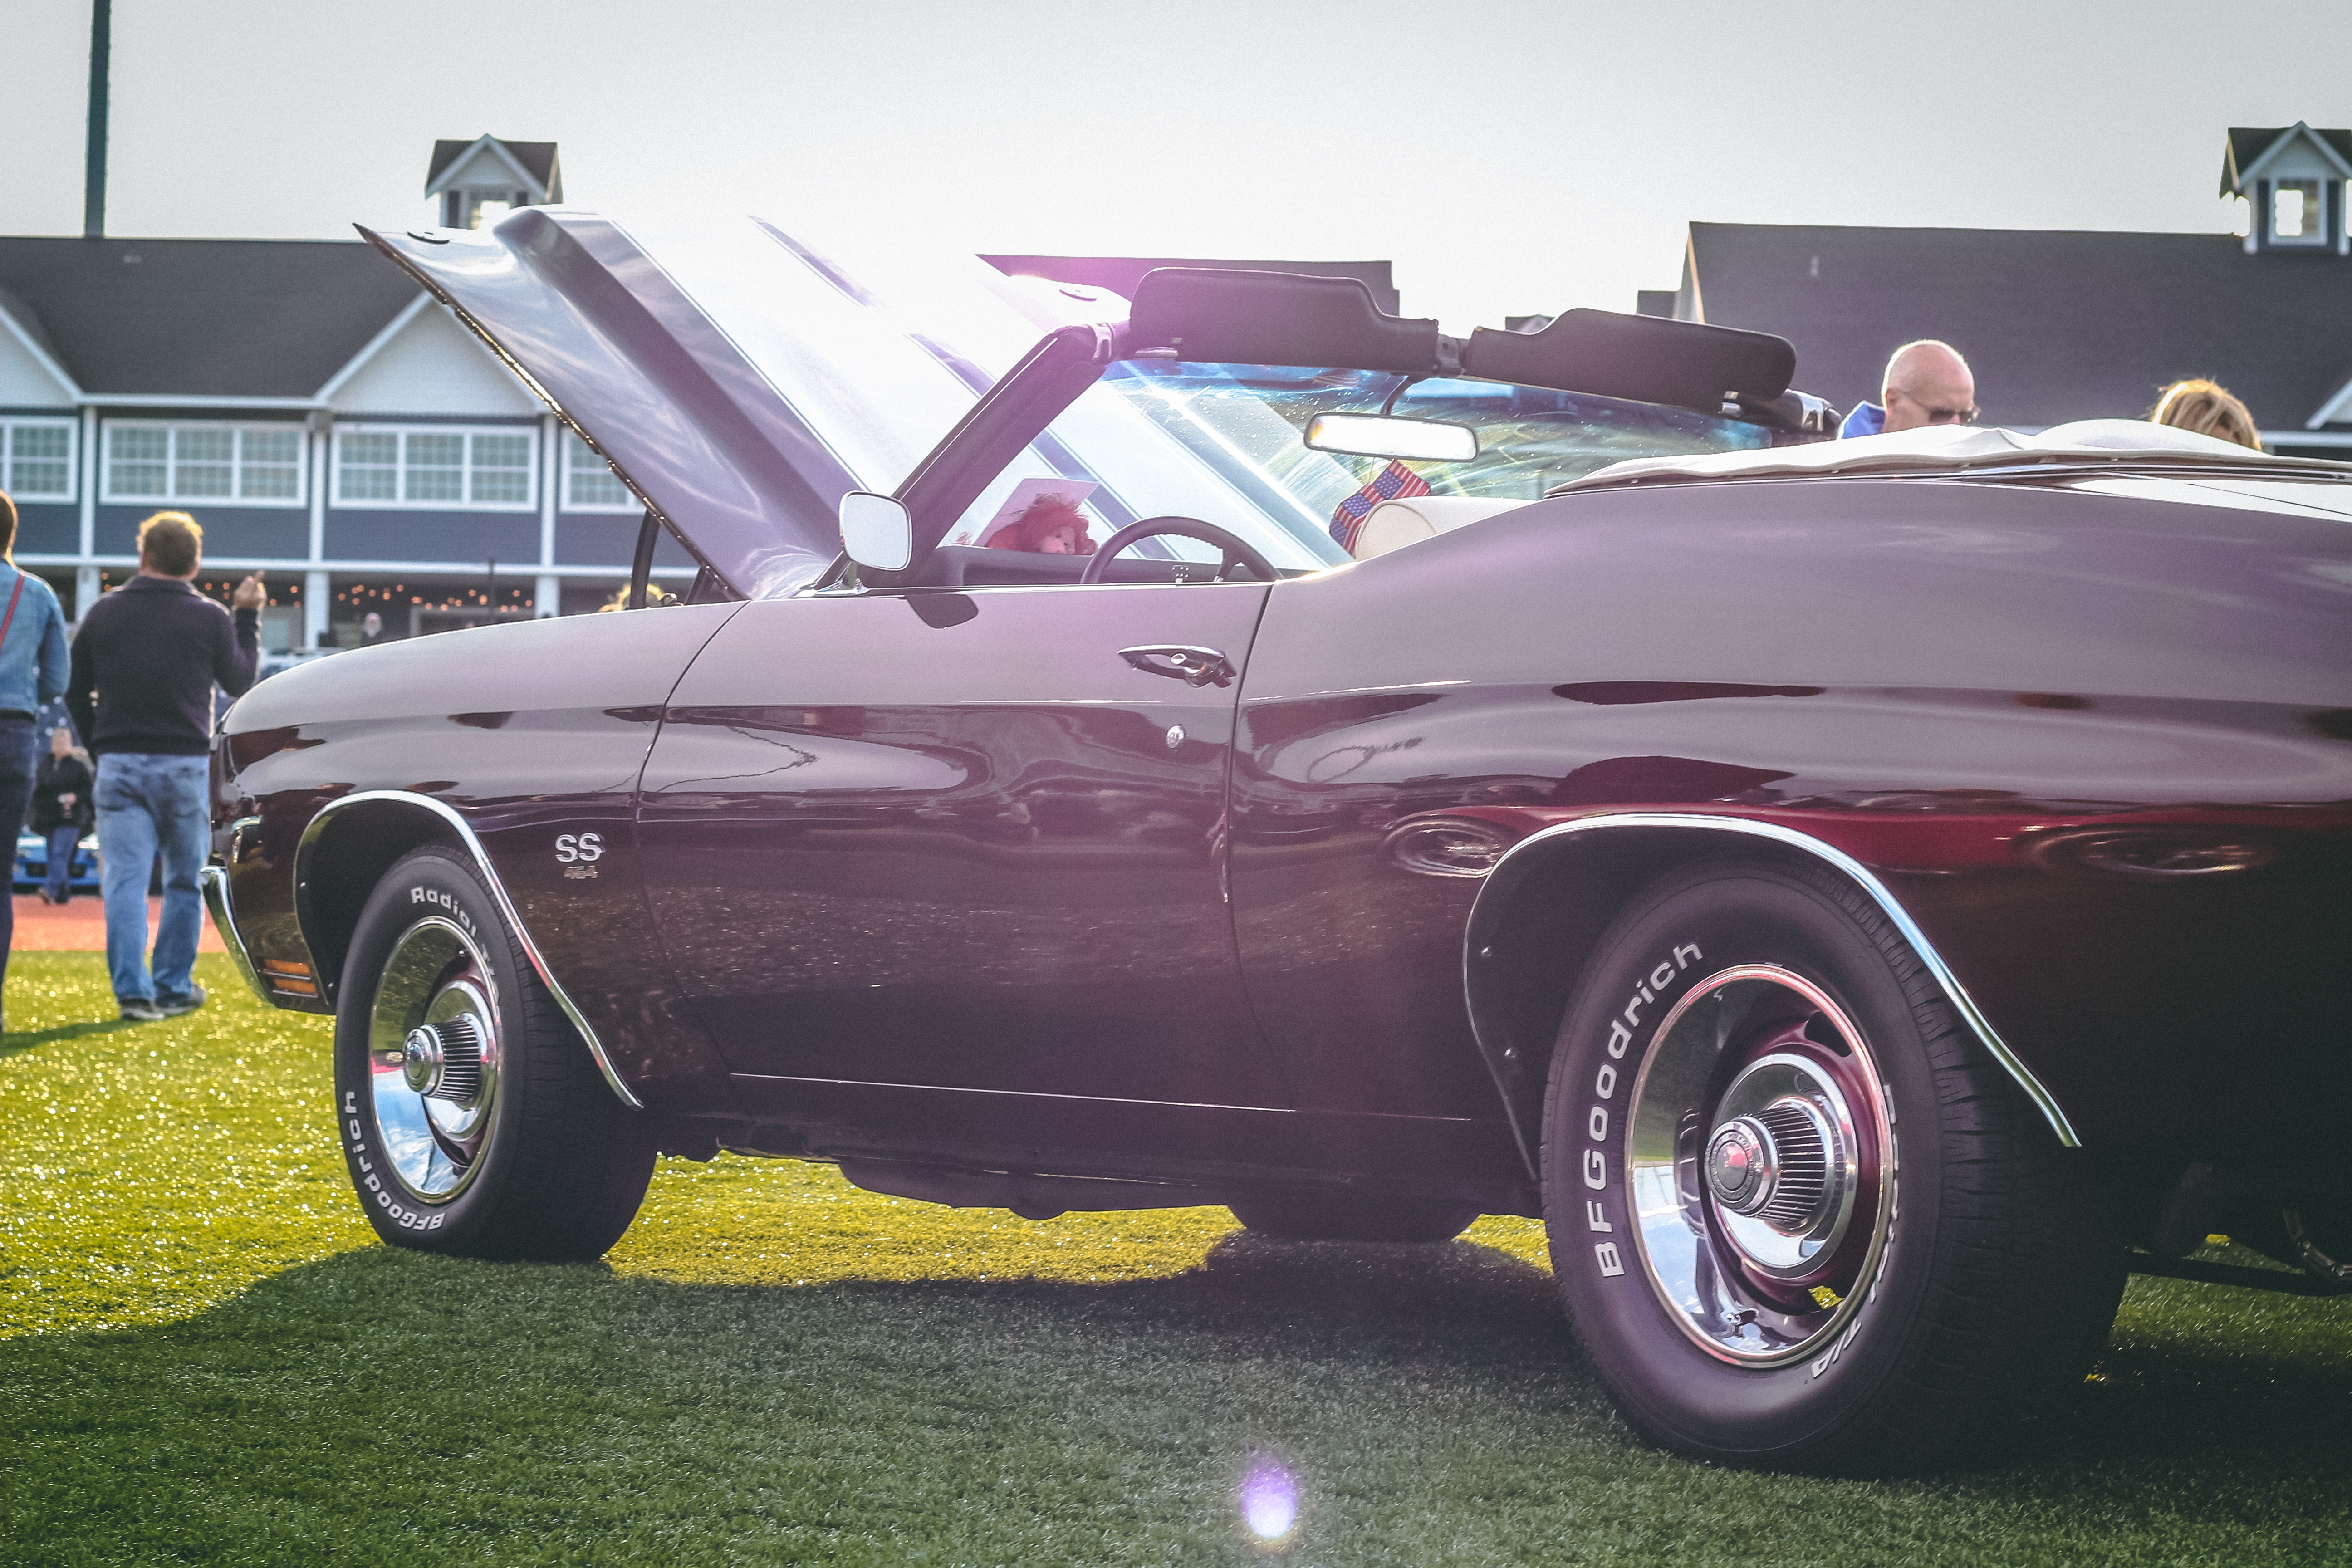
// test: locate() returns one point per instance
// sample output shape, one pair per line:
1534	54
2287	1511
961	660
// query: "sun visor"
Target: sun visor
1643	359
608	340
1229	317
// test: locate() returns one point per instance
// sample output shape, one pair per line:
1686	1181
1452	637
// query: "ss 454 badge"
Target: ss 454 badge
578	853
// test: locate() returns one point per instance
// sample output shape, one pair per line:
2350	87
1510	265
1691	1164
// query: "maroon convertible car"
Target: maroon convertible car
1854	892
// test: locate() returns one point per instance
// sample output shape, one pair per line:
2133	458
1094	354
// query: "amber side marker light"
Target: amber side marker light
289	977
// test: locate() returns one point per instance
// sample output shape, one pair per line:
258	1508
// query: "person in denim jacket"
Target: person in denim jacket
32	671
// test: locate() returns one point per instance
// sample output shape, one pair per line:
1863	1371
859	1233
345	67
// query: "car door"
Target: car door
961	840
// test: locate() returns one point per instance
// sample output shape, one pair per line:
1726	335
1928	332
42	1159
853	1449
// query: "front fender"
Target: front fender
406	819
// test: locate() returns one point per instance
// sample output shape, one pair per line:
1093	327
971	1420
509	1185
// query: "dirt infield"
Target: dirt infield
80	925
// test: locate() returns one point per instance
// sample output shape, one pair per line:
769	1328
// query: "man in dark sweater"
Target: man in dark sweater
144	663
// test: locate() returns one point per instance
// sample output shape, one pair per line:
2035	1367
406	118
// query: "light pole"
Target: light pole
93	188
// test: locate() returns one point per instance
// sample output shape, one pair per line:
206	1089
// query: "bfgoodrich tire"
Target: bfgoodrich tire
1796	1219
473	1119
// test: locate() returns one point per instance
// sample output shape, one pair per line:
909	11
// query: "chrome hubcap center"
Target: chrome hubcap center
444	1060
1780	1167
1740	1164
420	1058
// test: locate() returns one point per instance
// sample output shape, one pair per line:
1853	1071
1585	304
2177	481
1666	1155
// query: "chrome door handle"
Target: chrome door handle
1193	666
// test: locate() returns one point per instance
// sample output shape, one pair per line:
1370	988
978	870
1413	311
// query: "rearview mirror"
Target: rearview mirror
876	532
1390	436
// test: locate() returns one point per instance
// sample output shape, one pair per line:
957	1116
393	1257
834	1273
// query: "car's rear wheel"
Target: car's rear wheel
1797	1220
1349	1216
473	1119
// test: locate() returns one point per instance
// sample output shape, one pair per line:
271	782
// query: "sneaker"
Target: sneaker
172	1006
138	1010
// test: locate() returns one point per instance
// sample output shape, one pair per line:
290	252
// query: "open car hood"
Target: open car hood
737	381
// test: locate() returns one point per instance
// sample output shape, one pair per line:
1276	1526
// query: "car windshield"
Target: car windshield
1247	425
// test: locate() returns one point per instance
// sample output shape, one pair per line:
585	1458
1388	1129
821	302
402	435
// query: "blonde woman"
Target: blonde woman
2206	407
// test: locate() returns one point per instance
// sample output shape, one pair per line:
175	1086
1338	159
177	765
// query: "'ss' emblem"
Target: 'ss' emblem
578	853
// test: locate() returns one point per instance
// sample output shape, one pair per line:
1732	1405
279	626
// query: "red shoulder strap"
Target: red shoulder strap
10	619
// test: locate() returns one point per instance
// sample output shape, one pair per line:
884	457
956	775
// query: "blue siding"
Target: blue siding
273	533
48	528
460	538
606	539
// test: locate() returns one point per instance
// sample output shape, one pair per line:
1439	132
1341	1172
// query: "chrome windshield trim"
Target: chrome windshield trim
1964	1005
214	880
473	846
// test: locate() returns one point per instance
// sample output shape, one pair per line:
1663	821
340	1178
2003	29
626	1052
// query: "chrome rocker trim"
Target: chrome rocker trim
1482	913
473	846
214	880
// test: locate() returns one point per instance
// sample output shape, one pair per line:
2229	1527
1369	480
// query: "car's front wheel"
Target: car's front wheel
1798	1220
473	1119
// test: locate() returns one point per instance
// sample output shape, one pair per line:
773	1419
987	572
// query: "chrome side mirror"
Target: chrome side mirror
1391	436
876	532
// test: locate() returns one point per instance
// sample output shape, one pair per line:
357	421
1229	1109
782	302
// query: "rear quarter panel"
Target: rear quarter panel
1940	678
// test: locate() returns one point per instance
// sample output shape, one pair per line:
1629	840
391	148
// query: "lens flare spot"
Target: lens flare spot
1268	1500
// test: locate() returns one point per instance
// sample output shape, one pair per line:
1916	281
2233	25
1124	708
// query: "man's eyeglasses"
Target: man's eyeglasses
1937	415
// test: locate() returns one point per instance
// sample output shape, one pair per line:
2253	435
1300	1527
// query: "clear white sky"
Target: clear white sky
1508	156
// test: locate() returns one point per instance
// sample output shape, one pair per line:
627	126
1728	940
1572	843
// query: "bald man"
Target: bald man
1927	383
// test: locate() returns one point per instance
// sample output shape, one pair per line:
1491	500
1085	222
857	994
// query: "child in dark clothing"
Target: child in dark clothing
63	810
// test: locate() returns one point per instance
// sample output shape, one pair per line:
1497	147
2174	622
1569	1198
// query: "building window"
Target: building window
589	484
37	459
2296	212
248	465
442	468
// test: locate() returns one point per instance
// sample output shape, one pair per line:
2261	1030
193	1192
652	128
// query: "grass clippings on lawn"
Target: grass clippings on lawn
205	1358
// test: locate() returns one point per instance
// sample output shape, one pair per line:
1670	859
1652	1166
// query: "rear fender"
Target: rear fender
1546	902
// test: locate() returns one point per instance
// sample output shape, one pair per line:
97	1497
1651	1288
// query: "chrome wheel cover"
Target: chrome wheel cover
1760	1166
433	1059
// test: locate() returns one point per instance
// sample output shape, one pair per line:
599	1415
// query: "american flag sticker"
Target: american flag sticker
1394	482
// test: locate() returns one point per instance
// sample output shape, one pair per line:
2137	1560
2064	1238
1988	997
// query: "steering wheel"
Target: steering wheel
1236	551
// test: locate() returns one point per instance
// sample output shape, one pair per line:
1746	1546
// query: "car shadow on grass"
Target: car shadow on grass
1407	1383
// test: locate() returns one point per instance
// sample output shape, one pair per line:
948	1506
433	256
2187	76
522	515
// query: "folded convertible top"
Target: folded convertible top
1279	318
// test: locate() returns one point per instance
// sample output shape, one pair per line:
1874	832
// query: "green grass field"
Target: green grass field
205	1358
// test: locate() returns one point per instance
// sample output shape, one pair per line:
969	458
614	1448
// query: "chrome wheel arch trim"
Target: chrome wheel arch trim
213	881
472	846
1503	879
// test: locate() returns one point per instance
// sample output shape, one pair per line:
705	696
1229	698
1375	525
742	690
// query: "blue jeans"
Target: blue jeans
18	759
63	842
149	801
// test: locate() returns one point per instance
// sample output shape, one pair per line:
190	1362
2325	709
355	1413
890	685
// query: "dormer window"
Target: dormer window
481	181
2295	212
2294	179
